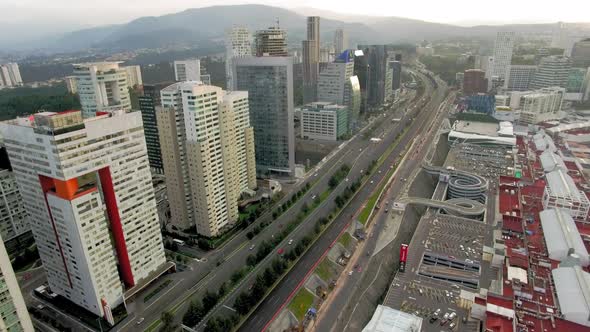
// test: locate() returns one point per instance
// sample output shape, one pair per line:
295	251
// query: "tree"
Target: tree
209	300
333	182
251	260
304	208
269	276
242	303
194	314
249	235
258	288
222	290
278	266
213	325
236	276
167	319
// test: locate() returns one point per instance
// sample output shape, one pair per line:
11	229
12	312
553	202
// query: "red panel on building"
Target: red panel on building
108	191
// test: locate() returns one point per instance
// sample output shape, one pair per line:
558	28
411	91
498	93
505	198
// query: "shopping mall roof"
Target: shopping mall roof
561	184
543	142
568	126
551	161
562	236
572	286
386	319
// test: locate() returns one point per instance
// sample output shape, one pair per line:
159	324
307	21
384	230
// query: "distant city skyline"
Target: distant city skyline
88	14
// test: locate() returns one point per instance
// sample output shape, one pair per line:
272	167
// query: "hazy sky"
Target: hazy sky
94	12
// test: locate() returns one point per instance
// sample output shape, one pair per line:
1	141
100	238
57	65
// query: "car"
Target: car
346	179
452	315
443	321
281	251
446	316
313	197
139	321
291	242
437	312
433	319
452	326
252	247
372	181
350	272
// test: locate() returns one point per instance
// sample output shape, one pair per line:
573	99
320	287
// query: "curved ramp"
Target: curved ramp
456	206
461	184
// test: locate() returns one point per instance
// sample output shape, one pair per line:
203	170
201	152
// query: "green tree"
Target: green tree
167	319
222	290
242	303
251	260
209	300
194	314
269	276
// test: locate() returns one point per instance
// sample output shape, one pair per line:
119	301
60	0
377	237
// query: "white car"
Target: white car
350	272
139	321
291	242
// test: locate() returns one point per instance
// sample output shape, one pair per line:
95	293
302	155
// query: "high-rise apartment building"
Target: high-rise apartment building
311	59
238	43
10	75
13	310
474	82
503	54
187	70
541	105
340	41
134	78
520	77
13	216
208	153
581	54
271	42
147	105
87	187
102	87
552	71
269	82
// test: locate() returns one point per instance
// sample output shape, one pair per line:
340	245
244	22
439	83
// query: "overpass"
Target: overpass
461	207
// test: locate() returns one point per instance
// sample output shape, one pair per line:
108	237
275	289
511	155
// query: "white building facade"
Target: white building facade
553	71
503	54
10	75
88	189
340	41
13	216
561	193
541	105
187	70
102	87
133	76
238	43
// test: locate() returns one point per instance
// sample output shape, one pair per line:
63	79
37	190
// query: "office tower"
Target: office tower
10	75
102	87
13	310
581	54
503	54
338	84
271	42
575	84
340	41
71	84
88	189
379	74
237	44
311	59
396	71
324	121
187	70
133	76
552	71
147	105
541	105
208	154
474	82
520	77
562	38
269	82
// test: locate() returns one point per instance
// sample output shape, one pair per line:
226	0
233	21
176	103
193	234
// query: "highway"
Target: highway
208	275
334	317
281	295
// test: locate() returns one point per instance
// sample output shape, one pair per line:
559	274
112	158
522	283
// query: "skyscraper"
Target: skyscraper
269	82
187	70
88	189
237	44
379	74
13	310
503	54
10	75
581	54
208	154
147	105
271	42
520	77
552	71
474	82
311	59
396	68
133	76
13	216
102	87
340	41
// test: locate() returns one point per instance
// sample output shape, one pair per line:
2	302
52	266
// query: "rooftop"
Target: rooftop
386	319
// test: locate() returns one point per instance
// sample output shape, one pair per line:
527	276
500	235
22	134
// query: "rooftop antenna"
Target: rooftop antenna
278	23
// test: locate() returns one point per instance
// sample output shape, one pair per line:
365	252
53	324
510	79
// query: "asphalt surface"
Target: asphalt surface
274	302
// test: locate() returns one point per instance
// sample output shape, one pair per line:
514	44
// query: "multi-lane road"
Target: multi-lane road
285	290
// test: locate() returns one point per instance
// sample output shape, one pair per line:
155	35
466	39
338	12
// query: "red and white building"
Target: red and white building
87	186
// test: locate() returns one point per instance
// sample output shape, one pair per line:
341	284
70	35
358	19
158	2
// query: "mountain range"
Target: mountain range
194	26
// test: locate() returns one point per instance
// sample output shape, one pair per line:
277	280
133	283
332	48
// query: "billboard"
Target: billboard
403	257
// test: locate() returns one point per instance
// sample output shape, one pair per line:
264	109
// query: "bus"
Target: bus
179	242
403	257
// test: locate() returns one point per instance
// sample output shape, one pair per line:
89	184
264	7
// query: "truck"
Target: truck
403	257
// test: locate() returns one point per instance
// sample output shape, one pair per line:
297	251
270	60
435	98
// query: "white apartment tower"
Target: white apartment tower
238	43
10	75
340	41
208	154
87	187
102	87
503	54
187	70
541	105
13	310
553	71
